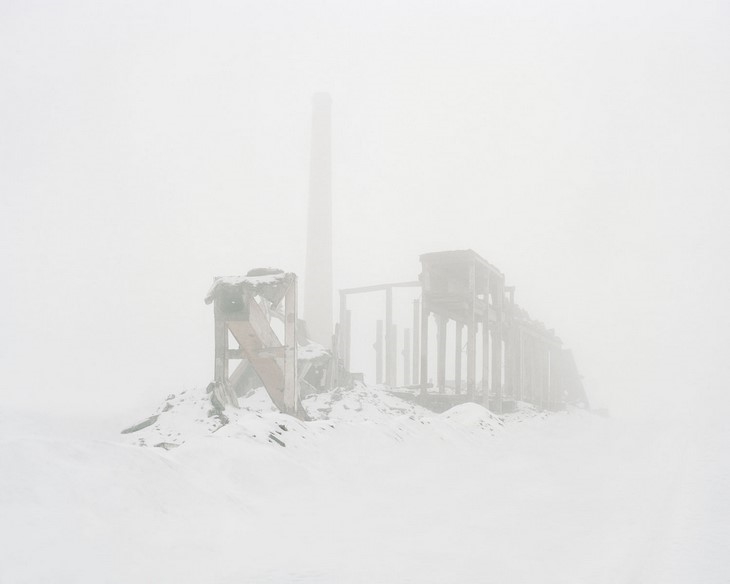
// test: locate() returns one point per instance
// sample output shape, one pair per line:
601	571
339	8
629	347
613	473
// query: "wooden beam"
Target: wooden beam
457	357
291	379
424	349
220	368
378	346
343	317
519	365
416	339
347	336
498	298
485	363
441	355
471	346
406	357
389	340
379	287
393	356
235	354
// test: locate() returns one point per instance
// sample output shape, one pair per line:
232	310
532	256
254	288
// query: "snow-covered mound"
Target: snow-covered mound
359	404
195	413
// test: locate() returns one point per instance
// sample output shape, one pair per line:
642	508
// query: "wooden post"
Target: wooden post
220	369
485	344
416	339
507	390
332	373
457	357
424	349
406	357
441	357
343	316
551	380
534	394
545	375
393	357
519	365
291	379
347	339
497	362
389	340
537	388
485	360
471	345
378	352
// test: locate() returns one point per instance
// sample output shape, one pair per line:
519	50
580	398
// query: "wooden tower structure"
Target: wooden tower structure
244	308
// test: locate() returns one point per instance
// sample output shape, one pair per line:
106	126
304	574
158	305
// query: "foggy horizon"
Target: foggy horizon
581	149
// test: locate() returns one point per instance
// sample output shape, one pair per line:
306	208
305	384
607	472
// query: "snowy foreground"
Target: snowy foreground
374	490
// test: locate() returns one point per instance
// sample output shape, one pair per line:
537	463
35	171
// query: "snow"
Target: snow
373	490
256	284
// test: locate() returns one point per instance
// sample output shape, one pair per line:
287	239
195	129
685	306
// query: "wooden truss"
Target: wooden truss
245	307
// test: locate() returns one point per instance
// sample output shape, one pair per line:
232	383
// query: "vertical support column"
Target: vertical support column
485	341
220	369
441	357
552	401
534	372
457	357
406	357
497	347
347	336
509	349
424	348
539	374
485	360
511	346
520	364
416	339
343	316
393	357
291	381
545	375
332	373
471	343
378	346
389	340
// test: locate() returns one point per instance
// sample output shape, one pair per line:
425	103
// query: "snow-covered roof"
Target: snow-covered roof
268	282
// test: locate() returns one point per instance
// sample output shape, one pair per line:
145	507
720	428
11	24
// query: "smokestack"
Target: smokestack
318	270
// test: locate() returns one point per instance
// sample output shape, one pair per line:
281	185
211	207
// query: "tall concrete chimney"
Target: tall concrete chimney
318	270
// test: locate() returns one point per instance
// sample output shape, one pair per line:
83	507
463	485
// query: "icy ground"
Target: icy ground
374	490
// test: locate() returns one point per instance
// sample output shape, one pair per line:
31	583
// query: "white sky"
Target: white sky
146	147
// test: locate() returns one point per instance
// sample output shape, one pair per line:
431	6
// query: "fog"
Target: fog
147	147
